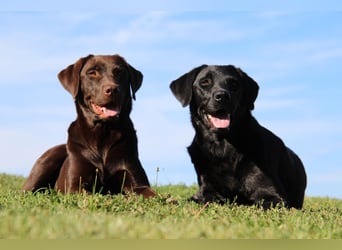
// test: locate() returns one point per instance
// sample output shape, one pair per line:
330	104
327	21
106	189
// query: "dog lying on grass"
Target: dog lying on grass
235	158
101	153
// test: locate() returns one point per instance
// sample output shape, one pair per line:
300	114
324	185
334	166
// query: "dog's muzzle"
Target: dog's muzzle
217	116
105	112
218	121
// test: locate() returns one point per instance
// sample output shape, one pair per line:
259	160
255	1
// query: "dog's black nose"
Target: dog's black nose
220	96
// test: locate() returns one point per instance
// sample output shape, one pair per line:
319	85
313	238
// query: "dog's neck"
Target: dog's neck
223	141
108	132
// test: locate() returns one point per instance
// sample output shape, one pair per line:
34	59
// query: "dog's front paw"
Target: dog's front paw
208	198
145	191
196	199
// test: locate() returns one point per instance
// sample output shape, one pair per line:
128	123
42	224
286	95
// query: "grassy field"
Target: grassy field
168	216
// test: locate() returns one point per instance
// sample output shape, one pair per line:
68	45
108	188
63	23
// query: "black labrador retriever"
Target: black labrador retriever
101	153
235	158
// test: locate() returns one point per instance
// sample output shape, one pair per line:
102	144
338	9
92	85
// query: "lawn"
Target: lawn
167	216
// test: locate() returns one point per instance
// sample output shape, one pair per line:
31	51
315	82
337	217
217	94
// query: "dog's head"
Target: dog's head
102	85
218	95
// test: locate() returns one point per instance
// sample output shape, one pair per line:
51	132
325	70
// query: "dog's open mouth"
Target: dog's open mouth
218	121
105	112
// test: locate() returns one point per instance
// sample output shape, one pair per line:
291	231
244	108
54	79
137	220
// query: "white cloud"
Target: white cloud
145	29
158	26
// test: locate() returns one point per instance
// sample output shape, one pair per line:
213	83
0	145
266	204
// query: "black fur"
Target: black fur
235	158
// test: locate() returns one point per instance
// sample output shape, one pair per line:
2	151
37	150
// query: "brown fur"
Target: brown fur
101	152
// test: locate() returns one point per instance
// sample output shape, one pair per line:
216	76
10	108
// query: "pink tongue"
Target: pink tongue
218	122
109	112
104	112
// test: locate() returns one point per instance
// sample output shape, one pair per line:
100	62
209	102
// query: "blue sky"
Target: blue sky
293	51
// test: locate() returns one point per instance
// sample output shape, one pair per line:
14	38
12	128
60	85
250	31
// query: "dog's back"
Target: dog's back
298	185
279	161
46	169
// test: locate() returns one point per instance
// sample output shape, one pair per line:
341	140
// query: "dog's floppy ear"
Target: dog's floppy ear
182	87
70	76
251	89
136	78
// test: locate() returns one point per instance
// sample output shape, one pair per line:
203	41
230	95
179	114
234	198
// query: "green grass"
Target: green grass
169	215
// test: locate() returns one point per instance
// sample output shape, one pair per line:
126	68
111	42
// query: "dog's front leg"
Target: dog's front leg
268	198
260	190
78	176
207	192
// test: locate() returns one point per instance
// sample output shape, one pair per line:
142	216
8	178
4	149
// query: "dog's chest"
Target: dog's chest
106	145
97	143
219	149
219	160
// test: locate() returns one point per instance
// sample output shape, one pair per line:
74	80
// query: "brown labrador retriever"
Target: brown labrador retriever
101	153
235	158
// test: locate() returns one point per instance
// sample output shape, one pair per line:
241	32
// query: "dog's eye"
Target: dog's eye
93	71
205	83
